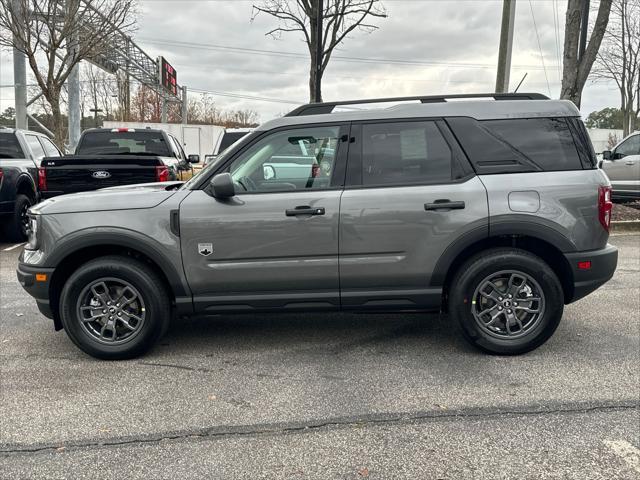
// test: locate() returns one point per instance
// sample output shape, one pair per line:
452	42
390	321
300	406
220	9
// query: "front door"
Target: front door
275	243
409	196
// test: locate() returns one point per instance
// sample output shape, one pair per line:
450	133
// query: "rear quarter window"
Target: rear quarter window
9	146
517	145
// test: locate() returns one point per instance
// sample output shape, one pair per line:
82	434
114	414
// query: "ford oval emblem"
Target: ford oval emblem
101	174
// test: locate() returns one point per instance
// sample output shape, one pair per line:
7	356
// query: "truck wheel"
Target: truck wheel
18	225
114	308
506	301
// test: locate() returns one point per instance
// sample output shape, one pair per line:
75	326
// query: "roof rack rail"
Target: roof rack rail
327	107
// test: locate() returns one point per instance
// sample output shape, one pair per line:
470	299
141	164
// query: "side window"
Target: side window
547	142
176	147
631	146
404	153
296	159
49	148
35	147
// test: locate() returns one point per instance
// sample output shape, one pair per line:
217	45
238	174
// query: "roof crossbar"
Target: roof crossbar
328	107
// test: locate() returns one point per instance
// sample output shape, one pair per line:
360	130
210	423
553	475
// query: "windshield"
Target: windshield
213	164
9	146
123	143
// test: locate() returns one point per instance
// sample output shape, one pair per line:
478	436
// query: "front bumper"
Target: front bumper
36	281
601	268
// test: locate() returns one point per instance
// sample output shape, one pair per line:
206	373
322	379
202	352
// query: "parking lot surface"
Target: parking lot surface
326	396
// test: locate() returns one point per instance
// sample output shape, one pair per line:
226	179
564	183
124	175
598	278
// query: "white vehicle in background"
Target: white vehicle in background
622	166
228	138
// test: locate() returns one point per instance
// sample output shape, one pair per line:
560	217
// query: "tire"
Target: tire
482	318
15	230
139	320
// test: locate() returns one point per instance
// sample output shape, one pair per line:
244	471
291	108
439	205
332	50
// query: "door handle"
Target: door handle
304	210
629	163
444	204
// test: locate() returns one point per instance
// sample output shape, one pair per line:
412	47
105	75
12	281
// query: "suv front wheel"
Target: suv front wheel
506	301
115	307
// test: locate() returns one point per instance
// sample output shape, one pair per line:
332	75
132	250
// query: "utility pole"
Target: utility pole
163	111
584	25
185	105
20	80
506	44
73	87
319	51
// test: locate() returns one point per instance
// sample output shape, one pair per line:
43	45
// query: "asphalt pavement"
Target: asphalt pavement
326	396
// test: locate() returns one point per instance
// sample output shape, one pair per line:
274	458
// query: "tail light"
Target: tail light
162	173
315	170
1	175
604	207
42	179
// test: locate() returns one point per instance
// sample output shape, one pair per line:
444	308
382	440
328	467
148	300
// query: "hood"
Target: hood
128	197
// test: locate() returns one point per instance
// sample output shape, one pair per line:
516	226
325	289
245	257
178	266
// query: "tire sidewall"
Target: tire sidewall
157	308
476	271
15	227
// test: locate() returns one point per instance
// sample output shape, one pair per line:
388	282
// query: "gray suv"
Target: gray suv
491	209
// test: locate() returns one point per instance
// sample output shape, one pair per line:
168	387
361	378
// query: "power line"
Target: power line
535	26
556	28
243	50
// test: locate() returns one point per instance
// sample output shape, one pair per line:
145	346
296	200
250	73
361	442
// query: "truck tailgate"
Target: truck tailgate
80	173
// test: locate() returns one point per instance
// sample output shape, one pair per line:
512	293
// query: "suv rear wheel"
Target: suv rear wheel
506	301
114	308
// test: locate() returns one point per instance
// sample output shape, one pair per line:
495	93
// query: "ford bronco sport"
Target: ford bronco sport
491	209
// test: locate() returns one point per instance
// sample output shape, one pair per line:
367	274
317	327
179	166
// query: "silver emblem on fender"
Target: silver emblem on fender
205	249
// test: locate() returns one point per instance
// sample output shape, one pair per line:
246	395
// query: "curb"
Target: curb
625	226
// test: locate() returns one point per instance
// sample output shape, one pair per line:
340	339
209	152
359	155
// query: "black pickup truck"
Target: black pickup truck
20	154
108	157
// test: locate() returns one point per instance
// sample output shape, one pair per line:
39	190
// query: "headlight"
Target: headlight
34	224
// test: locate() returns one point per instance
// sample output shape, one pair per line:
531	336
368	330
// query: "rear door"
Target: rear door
275	243
410	194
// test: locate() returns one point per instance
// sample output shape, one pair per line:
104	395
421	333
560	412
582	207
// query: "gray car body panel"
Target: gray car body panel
261	257
145	227
567	212
388	230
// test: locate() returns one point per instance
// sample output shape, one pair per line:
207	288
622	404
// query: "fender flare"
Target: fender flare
125	238
538	228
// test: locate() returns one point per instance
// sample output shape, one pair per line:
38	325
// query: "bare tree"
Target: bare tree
340	17
55	35
575	71
619	59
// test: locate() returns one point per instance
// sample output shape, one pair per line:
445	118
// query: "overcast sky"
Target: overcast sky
452	45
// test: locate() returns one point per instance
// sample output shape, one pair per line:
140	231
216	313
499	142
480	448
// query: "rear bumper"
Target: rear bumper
602	267
7	207
50	193
37	288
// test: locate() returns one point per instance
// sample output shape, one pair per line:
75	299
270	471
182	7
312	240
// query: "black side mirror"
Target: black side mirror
193	158
606	155
222	186
600	163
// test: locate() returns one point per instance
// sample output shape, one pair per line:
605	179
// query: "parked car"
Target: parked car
494	211
111	157
20	154
622	166
229	137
